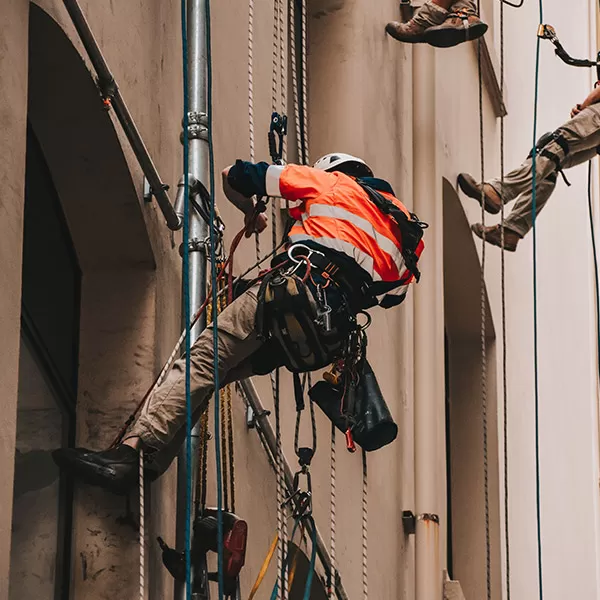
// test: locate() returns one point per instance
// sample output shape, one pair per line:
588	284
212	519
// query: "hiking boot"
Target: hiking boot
459	27
115	469
493	235
493	201
413	32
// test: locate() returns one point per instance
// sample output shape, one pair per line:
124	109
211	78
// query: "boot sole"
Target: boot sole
475	193
492	242
92	474
448	38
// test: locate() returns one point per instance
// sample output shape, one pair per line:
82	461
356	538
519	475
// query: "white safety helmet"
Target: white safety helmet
351	165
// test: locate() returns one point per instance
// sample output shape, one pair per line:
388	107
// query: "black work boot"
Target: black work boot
413	32
473	189
493	235
115	469
460	26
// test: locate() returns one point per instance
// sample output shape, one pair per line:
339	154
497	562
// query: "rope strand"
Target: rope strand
142	529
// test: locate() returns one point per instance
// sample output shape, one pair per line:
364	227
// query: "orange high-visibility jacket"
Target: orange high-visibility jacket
334	211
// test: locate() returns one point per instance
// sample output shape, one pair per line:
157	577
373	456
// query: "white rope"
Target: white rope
331	591
306	157
142	530
365	524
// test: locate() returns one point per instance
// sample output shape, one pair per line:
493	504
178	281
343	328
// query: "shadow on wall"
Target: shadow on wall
83	152
464	410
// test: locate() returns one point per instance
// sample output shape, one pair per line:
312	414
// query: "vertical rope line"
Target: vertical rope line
231	445
226	422
142	529
225	448
484	396
251	100
332	524
214	288
283	65
275	76
279	489
503	291
186	303
595	256
535	307
365	528
295	91
306	155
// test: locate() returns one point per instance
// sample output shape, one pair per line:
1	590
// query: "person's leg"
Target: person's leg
433	12
160	429
520	219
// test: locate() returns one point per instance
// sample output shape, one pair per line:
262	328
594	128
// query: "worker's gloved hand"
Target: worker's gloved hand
255	222
576	110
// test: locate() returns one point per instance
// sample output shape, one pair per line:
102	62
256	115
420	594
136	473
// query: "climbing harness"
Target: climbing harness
542	150
411	231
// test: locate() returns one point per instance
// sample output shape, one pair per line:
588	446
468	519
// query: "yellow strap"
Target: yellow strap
264	568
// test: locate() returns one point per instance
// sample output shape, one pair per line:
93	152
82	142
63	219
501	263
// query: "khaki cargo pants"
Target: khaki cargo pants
161	424
582	134
431	14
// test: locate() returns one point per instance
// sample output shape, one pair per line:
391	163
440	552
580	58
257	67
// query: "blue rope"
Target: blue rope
213	275
535	315
186	307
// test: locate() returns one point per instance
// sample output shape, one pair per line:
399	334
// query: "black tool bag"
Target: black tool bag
287	319
364	411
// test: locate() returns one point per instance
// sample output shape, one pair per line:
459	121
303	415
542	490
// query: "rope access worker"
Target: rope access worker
439	23
576	142
354	245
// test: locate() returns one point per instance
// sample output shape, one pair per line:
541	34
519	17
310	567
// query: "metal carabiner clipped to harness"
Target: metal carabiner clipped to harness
301	259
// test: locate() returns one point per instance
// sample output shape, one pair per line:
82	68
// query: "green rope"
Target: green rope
535	314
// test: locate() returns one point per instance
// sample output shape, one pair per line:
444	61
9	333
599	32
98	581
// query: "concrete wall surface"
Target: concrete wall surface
414	115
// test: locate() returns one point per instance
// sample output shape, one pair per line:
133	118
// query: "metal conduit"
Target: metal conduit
110	90
263	422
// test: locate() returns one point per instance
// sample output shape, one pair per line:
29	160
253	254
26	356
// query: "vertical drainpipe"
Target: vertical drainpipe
429	335
198	229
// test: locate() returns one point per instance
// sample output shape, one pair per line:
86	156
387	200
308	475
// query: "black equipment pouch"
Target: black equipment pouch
287	319
369	418
411	228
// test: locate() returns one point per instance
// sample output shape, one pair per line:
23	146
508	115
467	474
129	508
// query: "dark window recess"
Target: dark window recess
41	527
51	275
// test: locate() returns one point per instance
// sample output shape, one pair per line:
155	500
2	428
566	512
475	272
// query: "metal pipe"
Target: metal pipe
110	91
428	336
198	242
262	421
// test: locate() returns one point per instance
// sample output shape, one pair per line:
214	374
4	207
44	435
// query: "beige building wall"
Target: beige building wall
413	114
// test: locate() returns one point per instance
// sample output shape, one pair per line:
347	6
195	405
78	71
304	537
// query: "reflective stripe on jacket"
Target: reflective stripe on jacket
335	212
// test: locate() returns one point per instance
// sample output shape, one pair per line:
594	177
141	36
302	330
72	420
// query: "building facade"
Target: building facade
91	294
